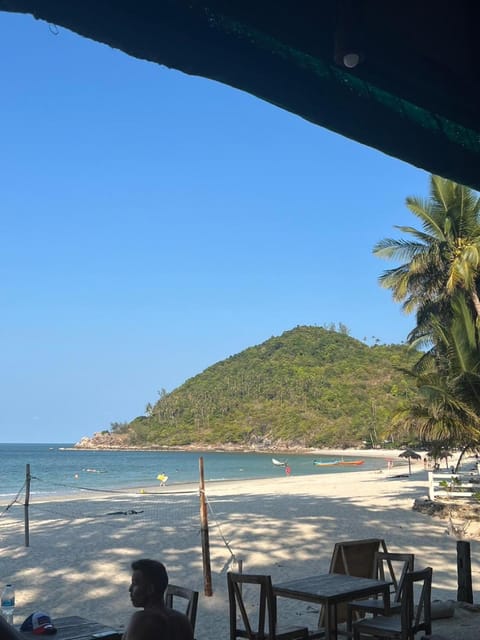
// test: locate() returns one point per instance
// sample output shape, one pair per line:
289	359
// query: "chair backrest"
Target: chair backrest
356	557
255	624
416	616
353	558
394	566
189	599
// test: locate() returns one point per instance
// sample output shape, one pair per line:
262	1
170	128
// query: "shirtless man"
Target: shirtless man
155	621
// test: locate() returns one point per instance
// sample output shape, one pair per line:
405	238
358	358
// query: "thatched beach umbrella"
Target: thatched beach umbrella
440	453
410	453
445	455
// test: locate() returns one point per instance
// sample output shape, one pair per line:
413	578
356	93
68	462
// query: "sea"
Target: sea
60	469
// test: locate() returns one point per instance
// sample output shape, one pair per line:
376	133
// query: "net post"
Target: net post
207	573
27	502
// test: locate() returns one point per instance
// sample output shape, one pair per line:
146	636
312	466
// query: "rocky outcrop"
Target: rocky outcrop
103	440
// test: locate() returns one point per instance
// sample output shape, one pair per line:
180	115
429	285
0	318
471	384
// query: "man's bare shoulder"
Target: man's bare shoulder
165	624
147	625
180	624
7	632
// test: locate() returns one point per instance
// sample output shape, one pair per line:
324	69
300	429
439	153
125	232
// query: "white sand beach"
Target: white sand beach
78	561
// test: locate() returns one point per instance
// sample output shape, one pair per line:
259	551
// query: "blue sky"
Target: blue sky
155	223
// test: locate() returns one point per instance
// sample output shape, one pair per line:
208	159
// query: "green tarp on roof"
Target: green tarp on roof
414	95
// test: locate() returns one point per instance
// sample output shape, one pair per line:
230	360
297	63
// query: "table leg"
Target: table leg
327	622
330	622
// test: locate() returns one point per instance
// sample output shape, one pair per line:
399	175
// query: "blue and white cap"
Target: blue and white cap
38	622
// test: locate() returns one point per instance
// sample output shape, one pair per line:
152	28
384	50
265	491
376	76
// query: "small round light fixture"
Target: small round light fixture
351	60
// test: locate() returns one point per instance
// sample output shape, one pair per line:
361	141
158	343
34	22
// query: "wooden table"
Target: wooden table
76	628
329	590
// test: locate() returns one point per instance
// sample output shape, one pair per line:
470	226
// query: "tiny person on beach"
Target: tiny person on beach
156	621
163	479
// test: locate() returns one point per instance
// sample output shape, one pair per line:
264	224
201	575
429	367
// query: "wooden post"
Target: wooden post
207	573
464	571
27	501
431	489
240	570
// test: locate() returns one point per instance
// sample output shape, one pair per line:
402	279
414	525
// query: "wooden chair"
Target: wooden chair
411	619
261	625
388	566
353	558
356	557
175	593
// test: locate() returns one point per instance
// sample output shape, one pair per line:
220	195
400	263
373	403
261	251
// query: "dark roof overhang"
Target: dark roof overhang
414	94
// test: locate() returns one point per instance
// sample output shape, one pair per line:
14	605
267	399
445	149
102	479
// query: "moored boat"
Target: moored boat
279	463
338	463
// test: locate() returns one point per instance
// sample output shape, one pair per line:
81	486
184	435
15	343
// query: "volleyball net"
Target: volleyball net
172	507
81	512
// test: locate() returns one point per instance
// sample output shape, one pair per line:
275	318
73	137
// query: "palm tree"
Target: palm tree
447	409
441	259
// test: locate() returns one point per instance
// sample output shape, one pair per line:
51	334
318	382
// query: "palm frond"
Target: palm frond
391	248
431	221
426	239
441	190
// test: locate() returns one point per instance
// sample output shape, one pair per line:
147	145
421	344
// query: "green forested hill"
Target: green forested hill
308	387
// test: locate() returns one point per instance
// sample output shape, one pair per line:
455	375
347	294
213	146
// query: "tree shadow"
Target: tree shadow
78	562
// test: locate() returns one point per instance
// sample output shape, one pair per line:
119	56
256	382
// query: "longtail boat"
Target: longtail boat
338	463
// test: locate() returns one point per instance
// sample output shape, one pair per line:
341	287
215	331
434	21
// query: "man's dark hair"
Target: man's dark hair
154	571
